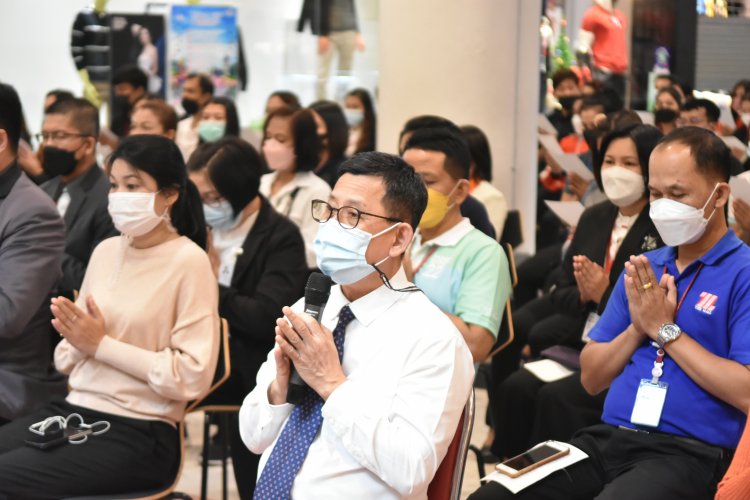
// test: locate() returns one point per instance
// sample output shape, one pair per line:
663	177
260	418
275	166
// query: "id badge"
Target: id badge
649	403
590	322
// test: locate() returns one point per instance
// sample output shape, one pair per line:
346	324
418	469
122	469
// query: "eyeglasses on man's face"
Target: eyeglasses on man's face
57	136
347	217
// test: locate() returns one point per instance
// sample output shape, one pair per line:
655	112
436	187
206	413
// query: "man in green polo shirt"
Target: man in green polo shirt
462	271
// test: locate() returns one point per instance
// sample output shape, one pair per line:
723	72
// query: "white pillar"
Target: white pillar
474	62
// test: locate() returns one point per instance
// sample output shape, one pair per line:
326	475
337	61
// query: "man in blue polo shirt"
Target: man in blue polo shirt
672	345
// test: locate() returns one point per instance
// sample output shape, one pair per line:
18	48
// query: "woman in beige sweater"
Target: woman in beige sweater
140	342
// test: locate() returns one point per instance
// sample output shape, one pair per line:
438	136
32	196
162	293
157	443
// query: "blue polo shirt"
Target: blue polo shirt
716	314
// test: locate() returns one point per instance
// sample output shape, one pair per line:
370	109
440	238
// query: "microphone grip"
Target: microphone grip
297	386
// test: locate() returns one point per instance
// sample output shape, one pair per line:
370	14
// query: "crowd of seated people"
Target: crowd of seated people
115	271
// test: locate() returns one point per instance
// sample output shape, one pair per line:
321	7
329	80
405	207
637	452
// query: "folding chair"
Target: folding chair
167	491
446	485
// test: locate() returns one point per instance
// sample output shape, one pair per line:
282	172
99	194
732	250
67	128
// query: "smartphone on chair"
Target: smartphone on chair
533	458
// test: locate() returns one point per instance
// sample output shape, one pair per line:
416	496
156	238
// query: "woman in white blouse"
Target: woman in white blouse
292	148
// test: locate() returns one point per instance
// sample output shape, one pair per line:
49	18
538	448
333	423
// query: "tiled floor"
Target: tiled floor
190	482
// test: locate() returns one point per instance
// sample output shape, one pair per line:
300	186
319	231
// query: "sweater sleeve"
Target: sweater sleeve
184	369
736	482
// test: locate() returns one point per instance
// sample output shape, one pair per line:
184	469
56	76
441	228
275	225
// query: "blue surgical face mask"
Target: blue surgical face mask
220	217
341	252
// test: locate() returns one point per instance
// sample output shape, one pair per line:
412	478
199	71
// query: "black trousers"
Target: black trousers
531	411
625	465
134	455
244	462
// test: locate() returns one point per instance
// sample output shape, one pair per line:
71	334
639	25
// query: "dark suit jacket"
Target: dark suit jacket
31	248
318	14
87	222
592	239
269	275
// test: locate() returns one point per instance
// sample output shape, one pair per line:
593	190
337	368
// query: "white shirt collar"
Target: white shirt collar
450	238
368	308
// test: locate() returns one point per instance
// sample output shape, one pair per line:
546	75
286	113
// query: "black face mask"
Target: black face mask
58	161
190	106
665	115
567	102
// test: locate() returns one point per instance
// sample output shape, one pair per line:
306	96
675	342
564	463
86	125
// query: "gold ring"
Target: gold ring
647	286
73	320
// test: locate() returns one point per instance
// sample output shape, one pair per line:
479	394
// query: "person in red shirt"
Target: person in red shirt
603	35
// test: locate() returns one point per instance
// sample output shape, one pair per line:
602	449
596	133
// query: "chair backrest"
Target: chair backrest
446	485
512	230
507	333
223	367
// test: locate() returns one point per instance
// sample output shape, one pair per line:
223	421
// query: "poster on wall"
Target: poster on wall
203	39
140	39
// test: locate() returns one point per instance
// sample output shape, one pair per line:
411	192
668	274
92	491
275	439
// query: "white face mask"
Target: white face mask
341	252
354	117
745	117
133	213
622	186
577	123
678	223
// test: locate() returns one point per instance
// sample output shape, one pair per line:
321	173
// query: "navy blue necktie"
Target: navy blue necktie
275	482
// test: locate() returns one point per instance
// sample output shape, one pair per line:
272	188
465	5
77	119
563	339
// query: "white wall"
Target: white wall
36	54
473	62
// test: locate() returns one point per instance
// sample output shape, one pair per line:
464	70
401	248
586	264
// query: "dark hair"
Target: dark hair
744	84
711	156
367	138
233	166
592	101
611	99
83	114
665	76
645	138
564	74
448	142
338	131
59	95
405	193
426	121
712	110
11	115
673	92
160	158
165	113
131	74
479	149
233	119
287	97
204	81
304	131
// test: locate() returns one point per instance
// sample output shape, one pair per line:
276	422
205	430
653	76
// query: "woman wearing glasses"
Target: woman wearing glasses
258	258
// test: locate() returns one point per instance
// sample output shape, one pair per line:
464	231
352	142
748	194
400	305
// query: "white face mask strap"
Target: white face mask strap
63	423
458	182
709	199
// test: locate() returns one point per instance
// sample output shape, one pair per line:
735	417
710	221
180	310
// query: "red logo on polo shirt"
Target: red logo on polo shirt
707	303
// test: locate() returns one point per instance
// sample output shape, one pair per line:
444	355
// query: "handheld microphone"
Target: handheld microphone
317	290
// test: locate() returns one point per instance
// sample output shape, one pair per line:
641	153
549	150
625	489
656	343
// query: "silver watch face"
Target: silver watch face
669	332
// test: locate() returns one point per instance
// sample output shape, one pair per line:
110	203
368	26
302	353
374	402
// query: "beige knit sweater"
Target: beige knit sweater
160	306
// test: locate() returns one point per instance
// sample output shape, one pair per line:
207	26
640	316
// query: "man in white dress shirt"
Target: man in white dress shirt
389	374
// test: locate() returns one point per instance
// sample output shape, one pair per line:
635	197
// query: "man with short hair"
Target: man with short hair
32	236
464	272
197	90
566	89
672	345
388	386
704	113
78	186
130	86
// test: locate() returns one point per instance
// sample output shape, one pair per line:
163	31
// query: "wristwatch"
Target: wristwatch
668	332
